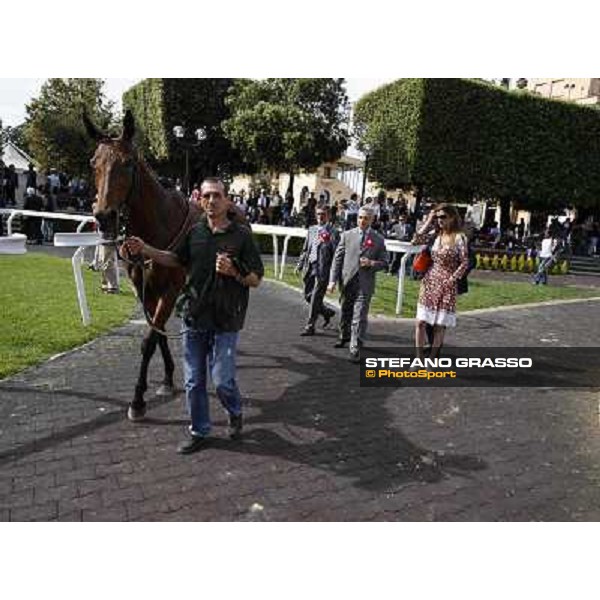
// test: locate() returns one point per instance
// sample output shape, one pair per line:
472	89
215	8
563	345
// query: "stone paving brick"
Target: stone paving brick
38	512
43	494
114	513
20	499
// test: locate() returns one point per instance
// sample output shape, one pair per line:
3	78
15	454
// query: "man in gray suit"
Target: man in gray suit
359	255
315	264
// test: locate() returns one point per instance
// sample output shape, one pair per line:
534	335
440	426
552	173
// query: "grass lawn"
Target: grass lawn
482	294
39	310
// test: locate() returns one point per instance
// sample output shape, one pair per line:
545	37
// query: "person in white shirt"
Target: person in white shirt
351	215
548	256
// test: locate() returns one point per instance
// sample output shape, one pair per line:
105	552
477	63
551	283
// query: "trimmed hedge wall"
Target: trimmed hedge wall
265	245
160	104
461	138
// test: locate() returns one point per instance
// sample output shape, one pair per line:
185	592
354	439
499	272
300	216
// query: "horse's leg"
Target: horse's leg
167	387
164	308
137	408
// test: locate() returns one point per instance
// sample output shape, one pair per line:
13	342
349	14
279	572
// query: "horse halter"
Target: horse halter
124	210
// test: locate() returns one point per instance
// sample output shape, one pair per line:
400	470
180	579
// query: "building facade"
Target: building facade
582	91
335	181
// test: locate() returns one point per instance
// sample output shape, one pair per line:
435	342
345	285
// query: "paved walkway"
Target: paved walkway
317	446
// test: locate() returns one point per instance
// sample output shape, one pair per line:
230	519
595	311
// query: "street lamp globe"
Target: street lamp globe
179	131
200	134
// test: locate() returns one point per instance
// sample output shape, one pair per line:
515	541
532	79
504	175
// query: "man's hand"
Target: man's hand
331	287
365	262
134	246
225	266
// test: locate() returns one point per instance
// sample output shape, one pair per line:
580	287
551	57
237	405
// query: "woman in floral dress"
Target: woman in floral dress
450	254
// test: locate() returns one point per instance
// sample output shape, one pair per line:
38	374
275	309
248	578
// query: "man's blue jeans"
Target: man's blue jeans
217	351
542	273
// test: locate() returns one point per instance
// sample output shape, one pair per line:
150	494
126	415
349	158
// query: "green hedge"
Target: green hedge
462	138
265	245
160	104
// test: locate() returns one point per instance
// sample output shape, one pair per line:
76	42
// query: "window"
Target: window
327	172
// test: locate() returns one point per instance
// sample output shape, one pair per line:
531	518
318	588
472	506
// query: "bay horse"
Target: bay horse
130	197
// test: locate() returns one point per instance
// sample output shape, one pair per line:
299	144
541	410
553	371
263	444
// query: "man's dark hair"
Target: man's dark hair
216	180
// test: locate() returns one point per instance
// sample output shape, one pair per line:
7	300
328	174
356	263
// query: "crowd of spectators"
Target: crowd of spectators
394	219
58	190
580	238
51	192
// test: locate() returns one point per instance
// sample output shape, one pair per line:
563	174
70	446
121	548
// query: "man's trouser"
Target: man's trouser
354	314
314	293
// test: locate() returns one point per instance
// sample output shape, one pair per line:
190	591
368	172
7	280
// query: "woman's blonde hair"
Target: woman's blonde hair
454	224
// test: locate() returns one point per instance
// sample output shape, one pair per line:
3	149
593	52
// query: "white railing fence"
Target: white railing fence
405	248
13	212
14	243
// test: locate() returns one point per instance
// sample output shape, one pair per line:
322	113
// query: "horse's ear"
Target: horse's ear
128	126
91	129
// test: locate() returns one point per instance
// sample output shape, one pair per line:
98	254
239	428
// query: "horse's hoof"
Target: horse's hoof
165	390
136	413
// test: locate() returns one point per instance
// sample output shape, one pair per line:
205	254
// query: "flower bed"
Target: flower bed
502	260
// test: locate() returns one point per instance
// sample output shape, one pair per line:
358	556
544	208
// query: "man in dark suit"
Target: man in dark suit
359	255
315	264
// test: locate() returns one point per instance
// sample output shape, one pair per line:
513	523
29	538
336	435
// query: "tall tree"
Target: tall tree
160	104
53	127
16	135
289	124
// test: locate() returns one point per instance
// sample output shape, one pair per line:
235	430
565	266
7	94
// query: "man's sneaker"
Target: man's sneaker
308	331
341	344
192	444
235	426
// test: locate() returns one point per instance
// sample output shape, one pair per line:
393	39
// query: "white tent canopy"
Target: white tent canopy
13	155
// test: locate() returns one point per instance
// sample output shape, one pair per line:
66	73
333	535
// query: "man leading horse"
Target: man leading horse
222	263
130	198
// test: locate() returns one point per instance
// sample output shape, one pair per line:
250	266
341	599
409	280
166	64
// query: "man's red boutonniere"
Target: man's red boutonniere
325	236
368	243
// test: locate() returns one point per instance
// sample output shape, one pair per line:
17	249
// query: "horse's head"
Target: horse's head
114	165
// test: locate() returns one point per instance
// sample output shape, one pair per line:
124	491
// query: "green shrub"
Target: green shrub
461	138
265	245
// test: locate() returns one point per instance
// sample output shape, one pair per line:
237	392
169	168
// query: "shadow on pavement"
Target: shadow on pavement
330	401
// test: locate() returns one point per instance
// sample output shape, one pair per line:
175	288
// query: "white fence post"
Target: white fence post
287	233
81	241
286	241
407	249
77	261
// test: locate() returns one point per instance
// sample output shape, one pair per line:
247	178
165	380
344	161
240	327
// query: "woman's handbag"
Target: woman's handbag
422	263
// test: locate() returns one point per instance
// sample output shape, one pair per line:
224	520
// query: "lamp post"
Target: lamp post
569	87
179	132
364	181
